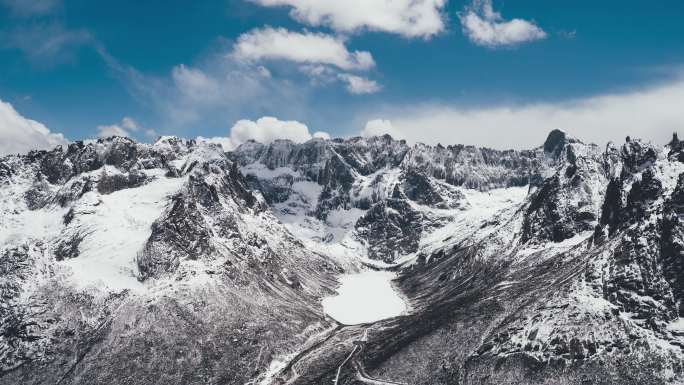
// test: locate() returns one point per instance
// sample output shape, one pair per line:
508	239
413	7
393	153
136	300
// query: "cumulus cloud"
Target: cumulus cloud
410	18
20	135
308	47
359	85
268	129
111	130
321	135
230	83
651	113
265	130
379	127
126	128
486	27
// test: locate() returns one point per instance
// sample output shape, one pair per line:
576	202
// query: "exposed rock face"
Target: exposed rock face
377	174
208	206
22	333
475	168
423	190
391	228
108	184
676	149
568	202
672	243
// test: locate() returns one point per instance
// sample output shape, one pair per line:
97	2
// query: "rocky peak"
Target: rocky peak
555	141
676	148
637	156
568	202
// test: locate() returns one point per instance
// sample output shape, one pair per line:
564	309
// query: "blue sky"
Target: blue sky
82	68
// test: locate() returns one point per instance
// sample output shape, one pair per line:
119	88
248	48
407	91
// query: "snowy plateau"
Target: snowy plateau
342	261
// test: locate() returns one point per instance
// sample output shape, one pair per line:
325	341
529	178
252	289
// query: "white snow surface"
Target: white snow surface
117	226
365	297
114	228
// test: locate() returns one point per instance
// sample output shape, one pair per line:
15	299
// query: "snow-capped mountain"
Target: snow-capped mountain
133	263
128	263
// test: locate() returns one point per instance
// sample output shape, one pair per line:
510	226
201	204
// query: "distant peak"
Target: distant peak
555	139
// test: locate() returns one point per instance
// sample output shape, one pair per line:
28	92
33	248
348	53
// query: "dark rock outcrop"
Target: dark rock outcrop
390	228
672	243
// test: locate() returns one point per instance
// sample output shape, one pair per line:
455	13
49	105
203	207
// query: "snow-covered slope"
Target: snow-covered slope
109	247
558	264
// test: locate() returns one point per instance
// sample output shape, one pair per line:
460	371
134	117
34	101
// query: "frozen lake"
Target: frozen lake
364	297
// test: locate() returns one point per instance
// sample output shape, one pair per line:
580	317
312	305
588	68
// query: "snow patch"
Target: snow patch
117	226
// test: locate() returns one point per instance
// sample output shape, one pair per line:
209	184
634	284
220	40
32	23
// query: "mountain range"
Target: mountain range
179	263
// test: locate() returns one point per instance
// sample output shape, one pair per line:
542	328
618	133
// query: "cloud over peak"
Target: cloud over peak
265	130
650	113
409	18
486	27
126	128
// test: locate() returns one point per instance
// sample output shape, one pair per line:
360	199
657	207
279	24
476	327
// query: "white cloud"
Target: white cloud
265	130
46	44
410	18
359	85
321	135
321	75
379	127
111	130
126	128
486	27
129	124
213	91
308	47
221	88
263	71
651	113
194	83
19	135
